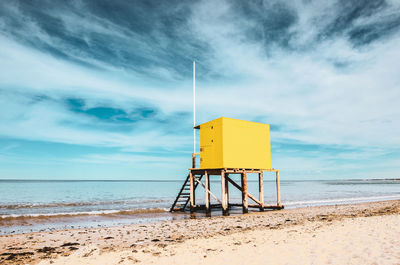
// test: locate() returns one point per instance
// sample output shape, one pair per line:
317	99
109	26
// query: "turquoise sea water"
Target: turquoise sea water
60	197
36	198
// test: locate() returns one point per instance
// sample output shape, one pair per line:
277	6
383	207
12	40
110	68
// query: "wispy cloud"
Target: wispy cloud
118	75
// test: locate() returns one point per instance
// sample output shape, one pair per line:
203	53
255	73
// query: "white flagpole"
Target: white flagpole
194	106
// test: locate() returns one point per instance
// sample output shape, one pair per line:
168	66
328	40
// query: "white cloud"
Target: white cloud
301	90
356	105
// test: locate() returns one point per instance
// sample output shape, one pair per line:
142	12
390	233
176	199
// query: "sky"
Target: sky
103	89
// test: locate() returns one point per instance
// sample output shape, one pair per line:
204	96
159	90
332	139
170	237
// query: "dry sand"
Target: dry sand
367	233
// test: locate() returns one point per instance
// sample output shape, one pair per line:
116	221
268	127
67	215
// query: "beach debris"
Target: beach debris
46	250
162	245
13	255
70	244
13	248
132	259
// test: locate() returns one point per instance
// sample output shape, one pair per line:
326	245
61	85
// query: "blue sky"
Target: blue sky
102	89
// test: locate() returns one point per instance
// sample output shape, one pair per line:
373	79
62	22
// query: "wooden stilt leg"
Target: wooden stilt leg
245	200
194	192
261	190
191	192
227	191
207	195
223	194
278	190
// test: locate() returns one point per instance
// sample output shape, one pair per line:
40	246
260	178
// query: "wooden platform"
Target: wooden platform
195	178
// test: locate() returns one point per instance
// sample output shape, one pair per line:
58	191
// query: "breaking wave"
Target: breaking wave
342	200
77	204
88	213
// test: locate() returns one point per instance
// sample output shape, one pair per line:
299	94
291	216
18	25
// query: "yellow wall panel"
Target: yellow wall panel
232	143
211	144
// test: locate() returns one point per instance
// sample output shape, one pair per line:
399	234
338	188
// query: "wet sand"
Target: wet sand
49	223
364	233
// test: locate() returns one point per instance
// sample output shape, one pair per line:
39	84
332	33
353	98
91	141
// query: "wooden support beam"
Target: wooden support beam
254	206
192	202
194	191
236	204
245	200
278	190
217	171
239	188
274	207
227	189
253	198
207	195
239	171
204	186
203	207
223	194
261	190
233	183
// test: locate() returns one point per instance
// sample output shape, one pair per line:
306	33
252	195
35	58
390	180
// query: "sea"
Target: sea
46	205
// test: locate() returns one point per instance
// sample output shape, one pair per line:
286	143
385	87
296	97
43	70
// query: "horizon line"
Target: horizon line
177	180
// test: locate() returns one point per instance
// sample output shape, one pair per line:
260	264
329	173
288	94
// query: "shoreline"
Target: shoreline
27	207
48	222
45	246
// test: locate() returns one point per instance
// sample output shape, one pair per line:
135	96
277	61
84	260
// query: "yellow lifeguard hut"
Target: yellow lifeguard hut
232	143
229	146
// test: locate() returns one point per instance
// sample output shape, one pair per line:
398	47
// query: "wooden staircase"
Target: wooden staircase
183	197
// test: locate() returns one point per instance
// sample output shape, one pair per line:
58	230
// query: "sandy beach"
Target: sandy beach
366	233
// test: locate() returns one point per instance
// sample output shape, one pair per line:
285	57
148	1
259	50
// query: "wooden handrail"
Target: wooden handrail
194	159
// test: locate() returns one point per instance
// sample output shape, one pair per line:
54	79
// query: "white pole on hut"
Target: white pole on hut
194	106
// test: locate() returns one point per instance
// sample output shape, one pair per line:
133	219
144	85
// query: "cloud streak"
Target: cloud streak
118	75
